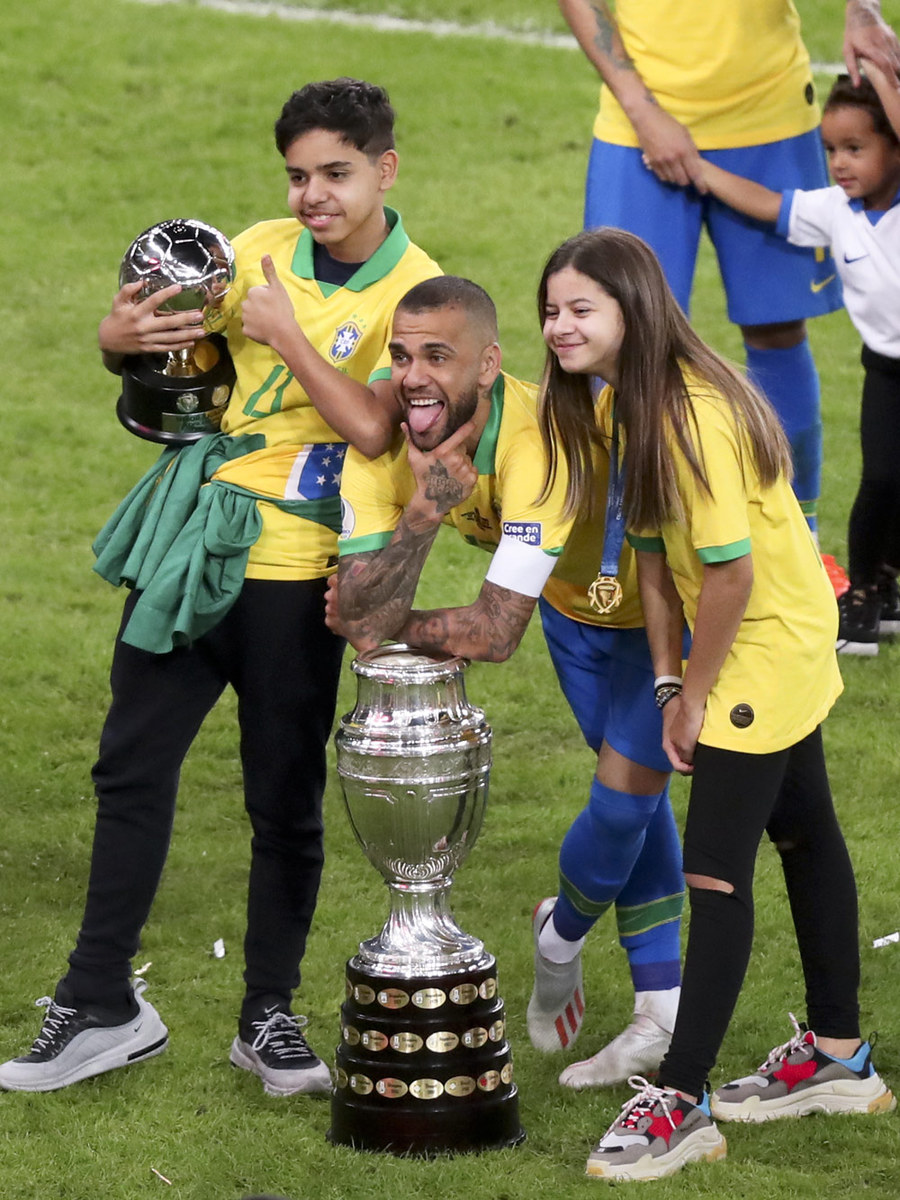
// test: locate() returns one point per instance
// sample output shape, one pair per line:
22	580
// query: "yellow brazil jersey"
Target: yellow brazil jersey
735	72
350	326
780	677
579	566
511	463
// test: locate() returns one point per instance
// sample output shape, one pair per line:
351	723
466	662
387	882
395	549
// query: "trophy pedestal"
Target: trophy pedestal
424	1066
176	409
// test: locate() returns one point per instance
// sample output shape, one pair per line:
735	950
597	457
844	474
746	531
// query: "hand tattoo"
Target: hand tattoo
443	488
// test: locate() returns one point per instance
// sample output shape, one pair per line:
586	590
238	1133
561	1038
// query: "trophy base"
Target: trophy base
424	1066
176	409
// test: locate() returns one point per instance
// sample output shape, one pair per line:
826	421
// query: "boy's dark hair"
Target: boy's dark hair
452	291
359	113
844	94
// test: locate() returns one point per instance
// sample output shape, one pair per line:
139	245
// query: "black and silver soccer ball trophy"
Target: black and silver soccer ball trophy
179	397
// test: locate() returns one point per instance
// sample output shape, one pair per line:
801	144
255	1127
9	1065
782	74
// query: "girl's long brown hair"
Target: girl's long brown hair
652	401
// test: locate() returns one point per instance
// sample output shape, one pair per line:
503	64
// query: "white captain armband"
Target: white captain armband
520	567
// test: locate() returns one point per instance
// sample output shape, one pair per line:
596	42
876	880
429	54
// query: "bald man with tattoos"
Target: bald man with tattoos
471	456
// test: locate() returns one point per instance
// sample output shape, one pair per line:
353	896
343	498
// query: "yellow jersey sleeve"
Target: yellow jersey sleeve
374	493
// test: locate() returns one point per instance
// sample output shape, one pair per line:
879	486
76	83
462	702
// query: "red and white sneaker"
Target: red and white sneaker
556	1008
656	1134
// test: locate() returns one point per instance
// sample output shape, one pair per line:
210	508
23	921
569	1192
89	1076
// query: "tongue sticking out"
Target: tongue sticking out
420	418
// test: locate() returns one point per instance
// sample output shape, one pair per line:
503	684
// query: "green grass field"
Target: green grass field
118	115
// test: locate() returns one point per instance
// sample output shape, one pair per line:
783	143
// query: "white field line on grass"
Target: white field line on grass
385	24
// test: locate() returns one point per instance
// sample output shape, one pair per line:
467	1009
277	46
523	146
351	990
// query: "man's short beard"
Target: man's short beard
463	410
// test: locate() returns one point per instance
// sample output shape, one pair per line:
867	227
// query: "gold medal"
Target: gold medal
605	594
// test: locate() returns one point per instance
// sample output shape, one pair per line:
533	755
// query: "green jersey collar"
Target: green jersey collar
380	264
486	453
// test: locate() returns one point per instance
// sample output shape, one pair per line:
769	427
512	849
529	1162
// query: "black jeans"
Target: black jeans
283	662
874	533
735	798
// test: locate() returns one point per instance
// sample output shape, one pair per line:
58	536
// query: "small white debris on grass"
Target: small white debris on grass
141	970
159	1175
219	948
886	940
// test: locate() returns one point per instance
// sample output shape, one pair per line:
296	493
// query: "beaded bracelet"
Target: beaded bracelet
664	692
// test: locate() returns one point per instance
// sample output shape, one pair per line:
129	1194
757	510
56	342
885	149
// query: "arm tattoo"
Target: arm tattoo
608	40
377	588
488	630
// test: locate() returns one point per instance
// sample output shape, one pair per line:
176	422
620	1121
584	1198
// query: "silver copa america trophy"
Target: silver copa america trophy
423	1065
179	397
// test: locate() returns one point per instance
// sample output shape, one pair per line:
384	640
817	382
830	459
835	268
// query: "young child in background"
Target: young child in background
859	218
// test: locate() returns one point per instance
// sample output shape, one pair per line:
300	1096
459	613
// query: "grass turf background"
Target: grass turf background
118	115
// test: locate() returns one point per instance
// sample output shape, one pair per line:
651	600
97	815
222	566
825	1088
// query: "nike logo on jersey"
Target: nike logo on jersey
853	260
815	287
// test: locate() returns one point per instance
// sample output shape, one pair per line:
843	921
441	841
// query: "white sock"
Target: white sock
556	948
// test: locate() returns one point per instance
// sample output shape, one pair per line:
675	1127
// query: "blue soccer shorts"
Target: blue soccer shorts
766	280
607	678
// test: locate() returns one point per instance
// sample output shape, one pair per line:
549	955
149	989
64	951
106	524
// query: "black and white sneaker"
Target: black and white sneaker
76	1043
275	1049
889	597
859	611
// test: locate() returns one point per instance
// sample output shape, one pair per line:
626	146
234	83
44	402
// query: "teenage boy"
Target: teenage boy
307	323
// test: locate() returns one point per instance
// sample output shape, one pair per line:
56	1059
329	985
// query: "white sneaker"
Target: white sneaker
638	1050
74	1044
556	1008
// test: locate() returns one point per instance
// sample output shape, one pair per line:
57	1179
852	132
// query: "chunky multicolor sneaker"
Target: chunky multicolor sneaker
275	1049
556	1008
638	1050
798	1079
656	1134
75	1044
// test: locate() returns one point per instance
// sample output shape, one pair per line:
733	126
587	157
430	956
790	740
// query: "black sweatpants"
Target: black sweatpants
275	650
735	797
874	532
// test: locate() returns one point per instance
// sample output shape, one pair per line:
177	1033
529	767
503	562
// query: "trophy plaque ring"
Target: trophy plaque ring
423	1065
179	397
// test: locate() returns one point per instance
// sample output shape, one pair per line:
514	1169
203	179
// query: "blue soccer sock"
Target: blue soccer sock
604	859
789	379
649	907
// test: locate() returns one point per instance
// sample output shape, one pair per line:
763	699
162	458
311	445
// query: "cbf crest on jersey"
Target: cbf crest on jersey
345	338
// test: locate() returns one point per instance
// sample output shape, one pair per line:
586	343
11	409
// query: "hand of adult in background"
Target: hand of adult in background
669	150
681	729
267	313
446	475
137	327
868	35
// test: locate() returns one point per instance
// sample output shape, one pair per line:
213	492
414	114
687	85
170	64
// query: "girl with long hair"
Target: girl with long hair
701	479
